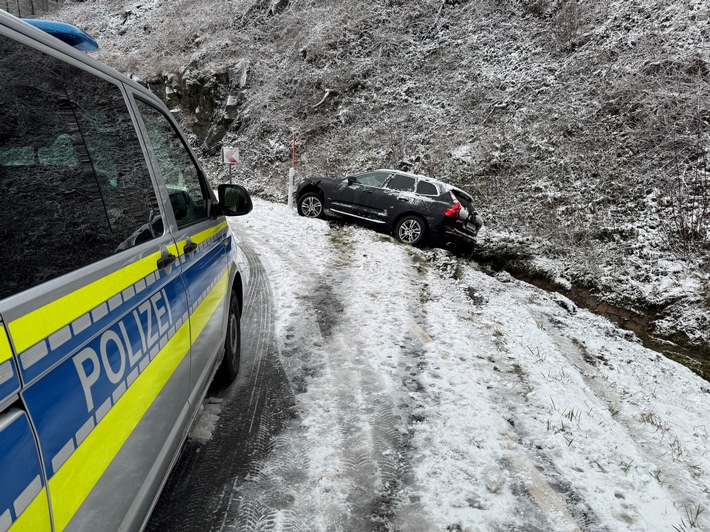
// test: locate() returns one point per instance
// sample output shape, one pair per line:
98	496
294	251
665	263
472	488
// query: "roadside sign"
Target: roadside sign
230	155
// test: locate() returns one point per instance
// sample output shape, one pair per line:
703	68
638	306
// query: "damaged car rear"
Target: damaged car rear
417	210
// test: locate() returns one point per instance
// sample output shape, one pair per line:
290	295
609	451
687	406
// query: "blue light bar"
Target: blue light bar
67	33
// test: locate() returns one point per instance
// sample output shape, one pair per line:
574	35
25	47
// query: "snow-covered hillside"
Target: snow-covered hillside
581	128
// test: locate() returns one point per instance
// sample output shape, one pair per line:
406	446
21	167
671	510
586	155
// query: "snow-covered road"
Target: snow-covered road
432	396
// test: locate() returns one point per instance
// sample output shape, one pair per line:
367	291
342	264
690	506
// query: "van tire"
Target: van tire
232	343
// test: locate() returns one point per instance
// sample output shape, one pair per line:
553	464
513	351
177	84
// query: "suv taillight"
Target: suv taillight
453	211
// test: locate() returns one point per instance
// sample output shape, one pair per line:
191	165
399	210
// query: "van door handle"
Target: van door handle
190	246
166	260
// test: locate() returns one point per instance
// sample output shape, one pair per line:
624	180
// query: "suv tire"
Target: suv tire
310	205
411	230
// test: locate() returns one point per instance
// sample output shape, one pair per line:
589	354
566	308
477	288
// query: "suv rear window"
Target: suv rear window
426	188
463	199
76	186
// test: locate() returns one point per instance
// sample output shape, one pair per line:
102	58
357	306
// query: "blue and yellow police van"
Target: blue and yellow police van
120	289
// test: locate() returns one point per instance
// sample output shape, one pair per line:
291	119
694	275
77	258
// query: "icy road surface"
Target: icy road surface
389	388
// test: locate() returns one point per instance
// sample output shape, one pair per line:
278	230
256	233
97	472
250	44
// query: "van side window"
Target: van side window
76	188
182	178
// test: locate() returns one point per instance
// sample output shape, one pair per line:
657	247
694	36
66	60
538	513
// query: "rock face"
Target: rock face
207	101
278	5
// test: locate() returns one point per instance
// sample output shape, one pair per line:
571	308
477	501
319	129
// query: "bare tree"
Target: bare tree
29	8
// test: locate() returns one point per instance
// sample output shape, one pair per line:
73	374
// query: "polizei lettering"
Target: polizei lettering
113	355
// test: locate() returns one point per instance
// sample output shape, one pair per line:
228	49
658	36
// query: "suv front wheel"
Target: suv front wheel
310	205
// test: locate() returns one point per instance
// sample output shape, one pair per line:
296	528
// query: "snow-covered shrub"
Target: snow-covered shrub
567	23
689	218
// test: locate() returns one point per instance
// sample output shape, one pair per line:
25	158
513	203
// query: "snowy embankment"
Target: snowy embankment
431	396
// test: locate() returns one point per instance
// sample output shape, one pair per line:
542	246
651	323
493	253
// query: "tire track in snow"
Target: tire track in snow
200	493
598	369
341	464
542	495
537	477
577	359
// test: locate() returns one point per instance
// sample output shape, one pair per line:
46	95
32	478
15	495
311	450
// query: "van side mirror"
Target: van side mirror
234	200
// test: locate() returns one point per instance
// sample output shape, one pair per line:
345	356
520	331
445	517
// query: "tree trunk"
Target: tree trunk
29	8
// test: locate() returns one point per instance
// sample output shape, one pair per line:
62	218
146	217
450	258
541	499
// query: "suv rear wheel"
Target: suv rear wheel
411	230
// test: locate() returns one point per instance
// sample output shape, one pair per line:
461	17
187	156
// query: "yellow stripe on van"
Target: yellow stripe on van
204	235
40	323
5	349
77	477
35	518
204	312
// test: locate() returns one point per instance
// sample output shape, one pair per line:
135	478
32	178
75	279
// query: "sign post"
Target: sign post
230	156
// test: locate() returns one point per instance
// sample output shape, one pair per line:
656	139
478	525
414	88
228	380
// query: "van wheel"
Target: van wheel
232	343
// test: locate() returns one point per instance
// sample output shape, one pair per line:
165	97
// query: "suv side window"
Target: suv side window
372	179
182	178
427	189
75	185
404	183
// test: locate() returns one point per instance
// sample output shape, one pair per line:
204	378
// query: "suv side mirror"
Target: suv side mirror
351	180
234	200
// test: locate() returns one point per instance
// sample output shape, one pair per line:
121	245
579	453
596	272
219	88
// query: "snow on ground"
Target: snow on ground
206	421
432	396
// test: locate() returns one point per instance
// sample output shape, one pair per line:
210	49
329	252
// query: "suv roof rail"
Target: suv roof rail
67	33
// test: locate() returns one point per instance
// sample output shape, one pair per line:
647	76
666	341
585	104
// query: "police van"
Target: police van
120	289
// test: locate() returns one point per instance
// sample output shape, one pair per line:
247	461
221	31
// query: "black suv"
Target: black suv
416	209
